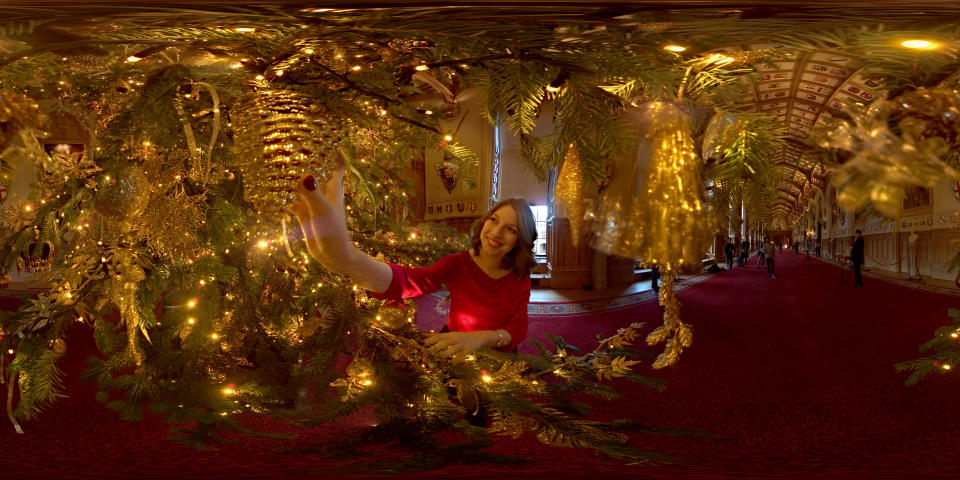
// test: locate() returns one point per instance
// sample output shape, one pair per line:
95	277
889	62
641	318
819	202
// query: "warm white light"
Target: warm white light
191	320
356	68
920	44
487	378
447	138
421	68
674	48
308	51
244	29
192	303
259	77
946	366
718	59
429	112
214	336
133	58
263	244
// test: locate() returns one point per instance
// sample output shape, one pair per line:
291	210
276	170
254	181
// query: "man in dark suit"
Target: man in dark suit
728	250
856	256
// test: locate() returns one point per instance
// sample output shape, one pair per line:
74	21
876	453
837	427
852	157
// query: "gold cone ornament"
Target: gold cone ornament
568	192
663	221
282	135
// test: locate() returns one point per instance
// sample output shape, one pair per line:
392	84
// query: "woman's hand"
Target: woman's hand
457	345
322	218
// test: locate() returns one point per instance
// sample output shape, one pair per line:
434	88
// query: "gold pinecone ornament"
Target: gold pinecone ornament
282	135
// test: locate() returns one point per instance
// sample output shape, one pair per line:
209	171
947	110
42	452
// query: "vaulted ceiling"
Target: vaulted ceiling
802	92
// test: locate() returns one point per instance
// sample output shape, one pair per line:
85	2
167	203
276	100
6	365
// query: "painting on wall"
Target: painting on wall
917	197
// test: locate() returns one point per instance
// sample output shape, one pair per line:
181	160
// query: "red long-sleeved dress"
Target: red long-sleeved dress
477	302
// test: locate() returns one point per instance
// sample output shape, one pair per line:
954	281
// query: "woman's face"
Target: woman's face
500	232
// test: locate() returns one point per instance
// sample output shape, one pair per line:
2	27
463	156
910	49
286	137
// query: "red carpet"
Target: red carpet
794	376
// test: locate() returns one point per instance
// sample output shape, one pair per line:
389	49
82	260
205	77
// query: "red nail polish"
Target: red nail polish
310	183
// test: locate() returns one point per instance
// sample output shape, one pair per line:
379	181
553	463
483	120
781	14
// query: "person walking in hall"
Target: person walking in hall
744	253
655	278
728	252
856	257
771	253
760	255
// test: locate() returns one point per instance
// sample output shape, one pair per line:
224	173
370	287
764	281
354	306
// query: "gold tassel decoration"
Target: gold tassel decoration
674	333
282	135
568	192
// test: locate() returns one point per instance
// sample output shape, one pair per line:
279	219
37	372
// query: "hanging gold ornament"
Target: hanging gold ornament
568	192
664	222
124	196
282	135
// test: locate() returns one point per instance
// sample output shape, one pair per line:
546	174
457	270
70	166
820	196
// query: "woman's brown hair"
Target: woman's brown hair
520	258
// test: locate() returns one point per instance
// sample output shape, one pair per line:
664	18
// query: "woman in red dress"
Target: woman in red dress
489	284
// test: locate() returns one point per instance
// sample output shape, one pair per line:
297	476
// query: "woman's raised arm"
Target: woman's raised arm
321	215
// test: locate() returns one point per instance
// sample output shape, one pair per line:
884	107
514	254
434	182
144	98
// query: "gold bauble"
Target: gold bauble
568	192
124	196
282	135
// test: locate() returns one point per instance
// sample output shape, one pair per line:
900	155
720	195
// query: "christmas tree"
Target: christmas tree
169	234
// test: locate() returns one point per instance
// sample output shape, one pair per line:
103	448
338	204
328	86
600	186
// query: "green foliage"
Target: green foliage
946	352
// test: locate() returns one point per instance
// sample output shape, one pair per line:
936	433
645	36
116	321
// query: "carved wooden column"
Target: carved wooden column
570	266
620	270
